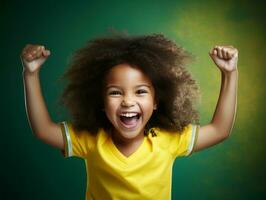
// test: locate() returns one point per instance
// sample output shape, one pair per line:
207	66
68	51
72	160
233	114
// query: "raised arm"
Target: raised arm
225	57
32	57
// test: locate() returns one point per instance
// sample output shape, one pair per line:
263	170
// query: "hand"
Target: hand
33	56
225	57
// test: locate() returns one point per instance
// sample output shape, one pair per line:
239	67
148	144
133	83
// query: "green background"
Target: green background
234	169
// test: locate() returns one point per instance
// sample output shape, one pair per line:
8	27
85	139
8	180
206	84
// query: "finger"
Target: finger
46	53
219	51
232	53
213	52
30	47
224	53
228	56
28	52
25	50
231	49
39	51
34	51
27	57
32	55
235	54
38	54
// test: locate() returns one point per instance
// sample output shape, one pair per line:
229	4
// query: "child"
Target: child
132	103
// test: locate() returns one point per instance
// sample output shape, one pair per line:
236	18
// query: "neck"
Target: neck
123	142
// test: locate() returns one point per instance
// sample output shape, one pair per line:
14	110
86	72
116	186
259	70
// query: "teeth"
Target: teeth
129	114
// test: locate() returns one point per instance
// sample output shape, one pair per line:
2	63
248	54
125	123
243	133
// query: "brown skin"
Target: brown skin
32	57
225	57
159	58
128	90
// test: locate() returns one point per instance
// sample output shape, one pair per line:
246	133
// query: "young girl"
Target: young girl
132	104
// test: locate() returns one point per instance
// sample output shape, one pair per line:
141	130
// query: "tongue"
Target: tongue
131	121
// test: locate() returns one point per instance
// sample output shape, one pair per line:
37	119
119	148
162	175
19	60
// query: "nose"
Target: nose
128	101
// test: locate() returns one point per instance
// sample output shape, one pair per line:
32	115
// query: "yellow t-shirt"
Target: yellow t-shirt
146	174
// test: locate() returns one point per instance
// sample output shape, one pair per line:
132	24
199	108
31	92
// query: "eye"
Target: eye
141	91
114	93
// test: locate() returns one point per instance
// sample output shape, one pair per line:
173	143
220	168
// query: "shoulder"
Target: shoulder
166	134
80	143
77	136
173	141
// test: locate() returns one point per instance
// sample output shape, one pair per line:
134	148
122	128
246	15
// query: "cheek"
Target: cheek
148	106
111	105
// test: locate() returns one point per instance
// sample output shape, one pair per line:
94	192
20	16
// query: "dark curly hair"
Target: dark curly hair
157	57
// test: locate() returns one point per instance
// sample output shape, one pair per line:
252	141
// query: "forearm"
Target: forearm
36	110
224	115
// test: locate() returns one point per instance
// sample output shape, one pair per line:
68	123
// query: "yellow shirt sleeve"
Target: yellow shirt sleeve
76	143
183	143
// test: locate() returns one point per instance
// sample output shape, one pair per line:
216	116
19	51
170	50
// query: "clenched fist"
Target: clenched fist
33	56
225	57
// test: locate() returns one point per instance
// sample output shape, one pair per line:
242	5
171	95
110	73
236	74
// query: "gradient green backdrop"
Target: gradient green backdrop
234	169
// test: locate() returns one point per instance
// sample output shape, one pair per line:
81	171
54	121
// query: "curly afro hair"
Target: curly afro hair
157	57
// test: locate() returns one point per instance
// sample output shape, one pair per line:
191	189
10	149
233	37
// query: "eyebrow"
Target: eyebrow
137	86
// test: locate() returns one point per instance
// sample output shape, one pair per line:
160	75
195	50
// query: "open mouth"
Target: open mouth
129	120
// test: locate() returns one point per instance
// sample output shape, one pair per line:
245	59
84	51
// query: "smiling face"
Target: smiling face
128	102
